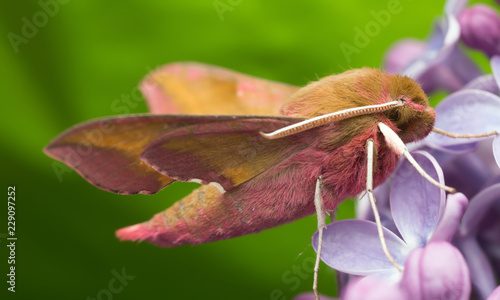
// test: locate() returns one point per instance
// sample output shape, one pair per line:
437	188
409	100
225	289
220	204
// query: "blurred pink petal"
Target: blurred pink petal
495	295
374	289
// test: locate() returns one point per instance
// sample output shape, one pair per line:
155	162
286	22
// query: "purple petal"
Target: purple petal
374	289
467	147
468	172
456	204
479	206
481	272
466	111
486	153
493	180
495	68
442	65
440	76
353	246
438	271
343	280
495	295
381	193
485	83
496	150
451	72
402	54
462	66
416	204
445	36
364	210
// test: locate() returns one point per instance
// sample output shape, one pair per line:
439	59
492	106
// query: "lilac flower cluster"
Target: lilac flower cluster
447	246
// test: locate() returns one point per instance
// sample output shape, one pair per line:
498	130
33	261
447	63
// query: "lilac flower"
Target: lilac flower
477	175
469	111
481	223
472	166
478	239
442	64
353	246
440	285
480	28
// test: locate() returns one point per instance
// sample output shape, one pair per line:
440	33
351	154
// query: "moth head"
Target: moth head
414	119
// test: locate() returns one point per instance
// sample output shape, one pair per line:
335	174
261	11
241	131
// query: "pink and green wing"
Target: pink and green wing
278	195
224	153
145	153
196	88
106	152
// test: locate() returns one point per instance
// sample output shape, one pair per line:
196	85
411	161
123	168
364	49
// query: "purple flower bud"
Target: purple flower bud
374	288
480	28
438	271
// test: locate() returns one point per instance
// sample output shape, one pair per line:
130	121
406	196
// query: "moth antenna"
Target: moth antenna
371	197
397	145
329	118
467	136
321	215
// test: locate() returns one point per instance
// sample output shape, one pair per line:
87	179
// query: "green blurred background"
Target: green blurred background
89	54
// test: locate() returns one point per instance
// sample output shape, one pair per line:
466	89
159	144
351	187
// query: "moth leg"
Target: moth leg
467	136
397	145
369	190
321	213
